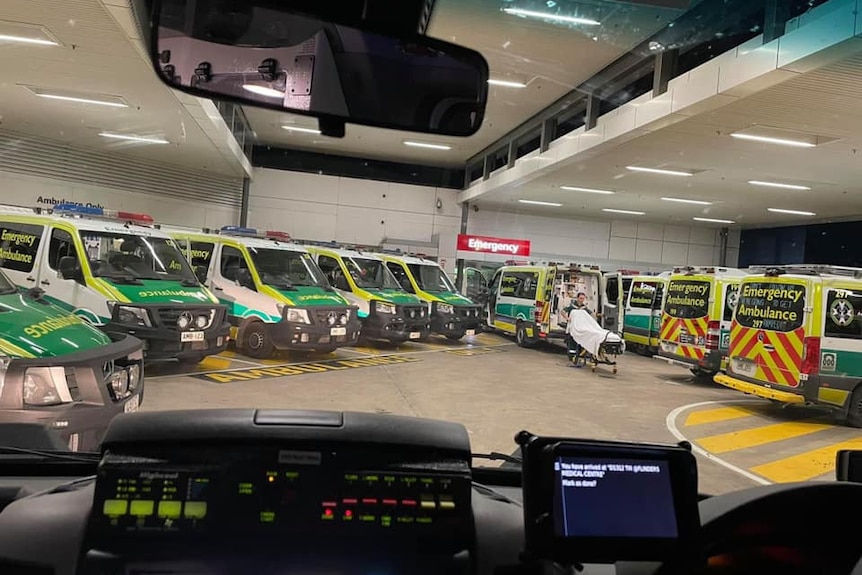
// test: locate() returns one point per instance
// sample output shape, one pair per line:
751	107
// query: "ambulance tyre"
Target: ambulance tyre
854	409
521	335
697	372
254	341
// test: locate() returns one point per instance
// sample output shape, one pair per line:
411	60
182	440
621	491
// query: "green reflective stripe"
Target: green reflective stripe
238	310
643	322
841	363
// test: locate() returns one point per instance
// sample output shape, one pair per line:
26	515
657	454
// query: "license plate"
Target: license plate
471	332
132	405
191	336
415	335
338	331
743	367
686	339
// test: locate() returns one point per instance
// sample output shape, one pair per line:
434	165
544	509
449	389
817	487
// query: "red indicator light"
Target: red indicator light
349	501
390	502
327	512
369	501
348	513
409	502
330	504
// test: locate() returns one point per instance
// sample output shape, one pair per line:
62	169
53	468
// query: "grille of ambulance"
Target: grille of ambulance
189	318
332	317
412	311
468	311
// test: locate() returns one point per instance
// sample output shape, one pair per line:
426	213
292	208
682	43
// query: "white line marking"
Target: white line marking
669	382
240	361
670	421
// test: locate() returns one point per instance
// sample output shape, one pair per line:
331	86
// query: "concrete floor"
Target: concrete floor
496	389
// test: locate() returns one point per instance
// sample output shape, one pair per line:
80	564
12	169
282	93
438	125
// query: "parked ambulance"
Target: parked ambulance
527	300
115	271
797	338
643	311
387	312
60	372
452	314
277	297
698	310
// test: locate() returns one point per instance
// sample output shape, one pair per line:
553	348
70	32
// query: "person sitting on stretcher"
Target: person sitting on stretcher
579	302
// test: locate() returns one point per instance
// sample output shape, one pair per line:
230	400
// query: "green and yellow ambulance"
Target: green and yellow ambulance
62	373
277	297
527	300
697	312
386	310
114	270
643	311
452	314
796	338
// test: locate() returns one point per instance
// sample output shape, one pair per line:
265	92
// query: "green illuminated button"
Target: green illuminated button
405	519
425	520
196	509
386	520
267	516
291	474
115	507
447	504
142	508
368	518
170	509
246	488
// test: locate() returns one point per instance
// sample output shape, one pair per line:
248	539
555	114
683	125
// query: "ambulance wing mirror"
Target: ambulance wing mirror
318	59
70	269
243	278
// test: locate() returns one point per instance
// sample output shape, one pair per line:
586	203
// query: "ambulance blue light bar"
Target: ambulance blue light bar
240	231
97	212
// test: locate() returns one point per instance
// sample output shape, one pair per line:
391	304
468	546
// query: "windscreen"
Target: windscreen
773	306
687	299
371	274
285	269
431	278
123	257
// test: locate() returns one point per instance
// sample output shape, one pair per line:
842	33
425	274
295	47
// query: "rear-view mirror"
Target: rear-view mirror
263	53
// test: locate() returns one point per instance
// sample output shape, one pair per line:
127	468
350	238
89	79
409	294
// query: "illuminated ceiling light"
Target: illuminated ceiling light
300	129
659	171
537	203
27	40
587	190
777	185
771	140
132	138
427	145
629	212
684	201
554	17
264	91
791	212
713	221
32	34
506	83
78	97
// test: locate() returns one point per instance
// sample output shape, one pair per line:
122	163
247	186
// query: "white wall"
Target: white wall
26	190
367	212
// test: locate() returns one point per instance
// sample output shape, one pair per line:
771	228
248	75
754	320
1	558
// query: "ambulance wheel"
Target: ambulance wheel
854	410
255	342
521	336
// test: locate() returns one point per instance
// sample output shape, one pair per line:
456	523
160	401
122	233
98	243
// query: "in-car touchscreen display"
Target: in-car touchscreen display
603	497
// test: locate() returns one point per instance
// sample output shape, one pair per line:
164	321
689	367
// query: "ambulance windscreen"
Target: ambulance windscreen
771	306
687	299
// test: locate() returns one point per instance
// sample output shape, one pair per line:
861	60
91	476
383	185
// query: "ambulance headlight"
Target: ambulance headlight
296	315
202	321
45	386
344	318
445	308
383	307
131	315
134	376
119	384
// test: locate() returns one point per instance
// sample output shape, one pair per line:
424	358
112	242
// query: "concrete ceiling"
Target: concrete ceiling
824	105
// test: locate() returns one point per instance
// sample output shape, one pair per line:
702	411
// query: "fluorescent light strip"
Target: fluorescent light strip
264	91
713	221
506	83
587	190
659	171
131	138
779	141
684	201
547	16
426	145
629	212
26	40
84	100
301	129
791	212
777	185
537	203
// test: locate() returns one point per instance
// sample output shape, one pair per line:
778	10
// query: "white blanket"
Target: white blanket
587	332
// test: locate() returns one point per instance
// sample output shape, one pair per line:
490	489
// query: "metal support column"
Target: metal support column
592	115
722	246
775	21
666	64
459	262
513	154
486	169
549	126
243	208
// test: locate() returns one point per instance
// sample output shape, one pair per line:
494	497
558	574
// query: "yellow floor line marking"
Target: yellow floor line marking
734	440
716	415
805	466
214	362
